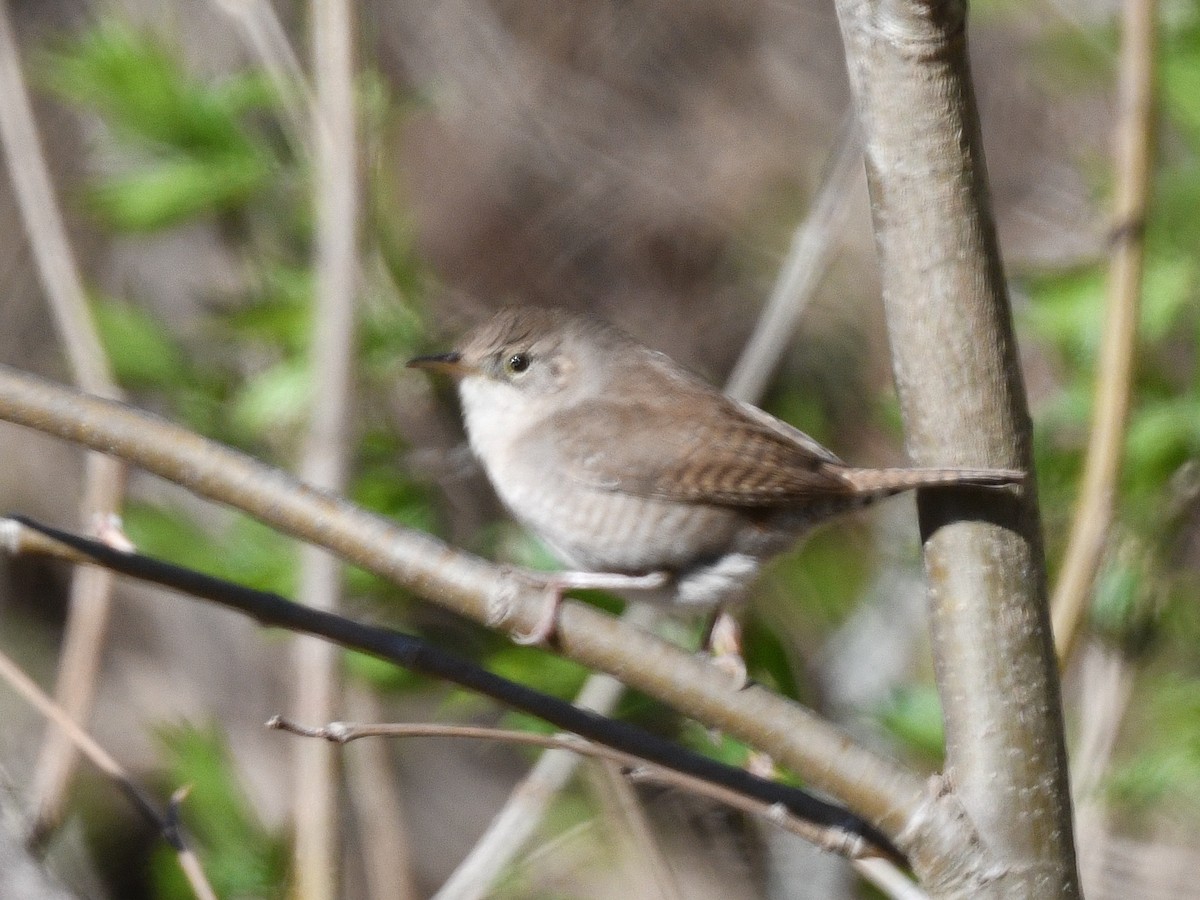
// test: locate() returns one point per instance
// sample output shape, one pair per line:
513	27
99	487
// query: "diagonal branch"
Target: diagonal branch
885	793
271	610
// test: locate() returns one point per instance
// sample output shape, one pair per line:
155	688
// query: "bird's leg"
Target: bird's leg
723	642
556	584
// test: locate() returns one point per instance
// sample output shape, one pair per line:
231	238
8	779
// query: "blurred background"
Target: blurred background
649	161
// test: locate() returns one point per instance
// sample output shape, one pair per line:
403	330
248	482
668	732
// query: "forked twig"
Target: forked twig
167	824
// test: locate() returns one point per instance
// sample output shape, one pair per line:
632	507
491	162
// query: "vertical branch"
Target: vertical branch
104	477
1118	347
324	458
963	403
387	857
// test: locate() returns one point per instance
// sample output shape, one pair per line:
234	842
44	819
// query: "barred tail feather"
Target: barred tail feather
893	481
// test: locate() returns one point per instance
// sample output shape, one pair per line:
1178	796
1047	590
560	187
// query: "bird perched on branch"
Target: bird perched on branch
637	474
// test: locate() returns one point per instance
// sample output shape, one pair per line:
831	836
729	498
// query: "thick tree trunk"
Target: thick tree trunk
963	403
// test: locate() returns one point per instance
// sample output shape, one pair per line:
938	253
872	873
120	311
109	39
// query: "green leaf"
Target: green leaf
139	87
914	716
380	673
275	400
174	189
239	856
1167	292
543	671
248	552
141	350
1066	310
1161	436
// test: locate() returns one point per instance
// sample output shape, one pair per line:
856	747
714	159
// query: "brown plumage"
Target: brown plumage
624	462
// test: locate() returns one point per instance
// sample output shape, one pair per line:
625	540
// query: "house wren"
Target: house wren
625	464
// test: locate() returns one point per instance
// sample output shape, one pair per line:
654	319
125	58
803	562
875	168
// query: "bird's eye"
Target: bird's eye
517	363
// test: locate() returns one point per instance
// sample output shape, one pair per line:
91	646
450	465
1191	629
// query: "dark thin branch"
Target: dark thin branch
416	655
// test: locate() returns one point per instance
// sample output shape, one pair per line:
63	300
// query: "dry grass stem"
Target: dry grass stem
323	461
90	600
1118	346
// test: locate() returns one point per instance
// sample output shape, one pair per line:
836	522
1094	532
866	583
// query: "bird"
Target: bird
637	474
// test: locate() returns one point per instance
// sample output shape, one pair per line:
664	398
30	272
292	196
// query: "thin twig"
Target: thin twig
266	36
324	458
637	769
90	600
1118	347
44	225
633	832
1108	675
166	824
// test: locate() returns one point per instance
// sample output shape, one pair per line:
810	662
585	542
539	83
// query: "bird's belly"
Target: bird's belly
603	531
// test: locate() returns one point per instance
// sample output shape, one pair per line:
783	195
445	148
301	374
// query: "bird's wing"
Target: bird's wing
732	455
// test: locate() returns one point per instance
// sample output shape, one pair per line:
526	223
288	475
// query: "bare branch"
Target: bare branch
830	760
637	768
808	259
526	807
410	652
376	800
265	34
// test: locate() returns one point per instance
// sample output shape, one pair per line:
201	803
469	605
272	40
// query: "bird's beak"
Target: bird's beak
448	363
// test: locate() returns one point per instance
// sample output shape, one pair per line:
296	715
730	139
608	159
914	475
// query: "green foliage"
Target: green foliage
239	855
1165	769
200	154
544	671
914	717
380	674
766	657
824	578
247	552
715	744
1144	594
141	351
1179	70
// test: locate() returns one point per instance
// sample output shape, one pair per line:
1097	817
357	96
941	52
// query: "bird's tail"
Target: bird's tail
884	482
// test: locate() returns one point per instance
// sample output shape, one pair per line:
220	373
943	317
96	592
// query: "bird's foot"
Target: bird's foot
724	647
555	584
